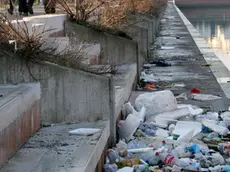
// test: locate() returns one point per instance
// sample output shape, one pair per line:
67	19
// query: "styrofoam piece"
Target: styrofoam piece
186	137
184	127
126	169
129	127
193	109
174	114
85	131
141	114
156	102
213	126
147	77
204	97
225	115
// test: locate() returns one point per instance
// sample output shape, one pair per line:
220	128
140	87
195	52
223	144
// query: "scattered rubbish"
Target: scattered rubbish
211	124
172	138
85	131
156	102
162	63
204	97
129	127
182	96
152	85
167	48
178	85
186	126
147	77
126	169
110	168
206	65
195	90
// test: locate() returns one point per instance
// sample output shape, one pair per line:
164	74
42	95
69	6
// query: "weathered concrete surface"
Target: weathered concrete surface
186	59
20	117
67	94
115	49
52	149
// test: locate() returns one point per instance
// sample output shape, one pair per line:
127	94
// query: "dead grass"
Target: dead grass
107	13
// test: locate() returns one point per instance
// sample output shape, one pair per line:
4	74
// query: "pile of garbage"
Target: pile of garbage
161	135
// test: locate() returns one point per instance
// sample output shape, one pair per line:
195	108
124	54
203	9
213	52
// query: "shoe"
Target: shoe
30	10
10	11
20	13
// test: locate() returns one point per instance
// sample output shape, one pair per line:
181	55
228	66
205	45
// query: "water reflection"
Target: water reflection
213	24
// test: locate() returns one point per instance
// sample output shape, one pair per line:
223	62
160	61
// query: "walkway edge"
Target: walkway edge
217	67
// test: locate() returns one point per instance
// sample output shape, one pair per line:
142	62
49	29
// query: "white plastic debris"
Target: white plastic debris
147	77
126	169
174	114
194	110
182	96
85	131
162	132
141	115
128	109
140	150
129	127
213	126
204	97
186	128
212	116
156	102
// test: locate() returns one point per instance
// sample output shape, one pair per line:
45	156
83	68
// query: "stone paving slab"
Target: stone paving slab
186	60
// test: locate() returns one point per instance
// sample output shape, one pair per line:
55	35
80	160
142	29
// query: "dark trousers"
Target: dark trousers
23	5
11	5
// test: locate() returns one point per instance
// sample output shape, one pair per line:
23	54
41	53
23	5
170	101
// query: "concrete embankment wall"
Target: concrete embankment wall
143	29
115	49
67	95
20	117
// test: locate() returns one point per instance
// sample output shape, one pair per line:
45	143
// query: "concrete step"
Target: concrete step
20	117
52	149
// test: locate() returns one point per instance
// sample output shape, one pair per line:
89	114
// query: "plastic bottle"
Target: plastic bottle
169	159
110	167
128	162
224	148
140	167
113	156
194	148
154	160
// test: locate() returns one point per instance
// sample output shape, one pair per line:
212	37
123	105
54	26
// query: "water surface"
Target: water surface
214	25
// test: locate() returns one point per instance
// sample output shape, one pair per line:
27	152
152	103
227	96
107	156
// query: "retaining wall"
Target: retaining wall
68	95
20	117
115	49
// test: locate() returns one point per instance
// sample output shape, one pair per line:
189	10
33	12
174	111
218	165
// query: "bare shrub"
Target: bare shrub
33	47
82	10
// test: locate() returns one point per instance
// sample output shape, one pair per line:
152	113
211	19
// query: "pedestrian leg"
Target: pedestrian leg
11	9
30	6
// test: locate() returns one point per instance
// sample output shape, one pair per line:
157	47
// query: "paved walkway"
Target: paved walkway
176	46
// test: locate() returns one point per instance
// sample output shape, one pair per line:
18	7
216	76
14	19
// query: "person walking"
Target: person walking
11	9
30	6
